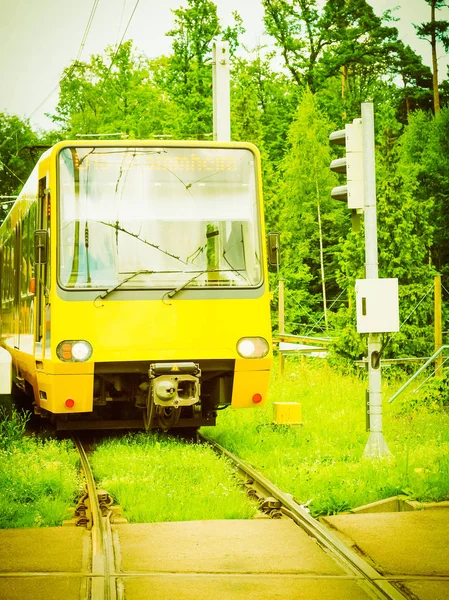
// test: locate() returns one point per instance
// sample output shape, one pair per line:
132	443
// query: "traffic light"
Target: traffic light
352	165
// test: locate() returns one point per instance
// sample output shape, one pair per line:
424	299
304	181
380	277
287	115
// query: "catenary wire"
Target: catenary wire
12	172
68	73
120	44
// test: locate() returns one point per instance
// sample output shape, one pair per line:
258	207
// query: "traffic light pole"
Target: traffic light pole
221	92
376	446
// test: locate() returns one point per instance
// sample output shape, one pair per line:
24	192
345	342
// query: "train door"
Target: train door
16	283
42	274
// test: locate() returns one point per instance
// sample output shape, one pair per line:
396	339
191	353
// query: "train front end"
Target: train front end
157	311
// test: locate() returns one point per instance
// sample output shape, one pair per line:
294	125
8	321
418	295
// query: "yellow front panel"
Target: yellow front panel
58	388
246	385
151	330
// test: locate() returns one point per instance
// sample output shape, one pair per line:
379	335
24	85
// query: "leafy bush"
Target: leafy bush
434	394
12	426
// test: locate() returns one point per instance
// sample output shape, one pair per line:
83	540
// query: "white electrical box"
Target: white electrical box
377	305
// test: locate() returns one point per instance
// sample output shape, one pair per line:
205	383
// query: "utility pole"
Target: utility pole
376	445
376	299
221	91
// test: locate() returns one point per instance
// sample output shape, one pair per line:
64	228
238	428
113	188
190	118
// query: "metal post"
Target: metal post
221	92
376	446
438	326
281	323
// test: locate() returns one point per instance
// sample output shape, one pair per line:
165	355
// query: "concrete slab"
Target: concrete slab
429	590
405	543
252	546
44	563
241	587
42	588
199	560
45	549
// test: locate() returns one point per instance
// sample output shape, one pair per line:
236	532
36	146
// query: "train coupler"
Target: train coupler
174	384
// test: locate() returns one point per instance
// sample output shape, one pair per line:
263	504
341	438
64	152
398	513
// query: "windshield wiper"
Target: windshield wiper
120	283
173	292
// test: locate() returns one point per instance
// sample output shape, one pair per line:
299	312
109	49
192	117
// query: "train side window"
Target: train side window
32	225
24	264
10	268
5	272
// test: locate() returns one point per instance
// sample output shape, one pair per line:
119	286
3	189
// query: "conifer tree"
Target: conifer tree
310	221
435	31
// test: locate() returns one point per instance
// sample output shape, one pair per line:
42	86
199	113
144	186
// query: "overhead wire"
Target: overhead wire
119	45
78	56
71	69
121	21
12	172
87	30
327	308
316	323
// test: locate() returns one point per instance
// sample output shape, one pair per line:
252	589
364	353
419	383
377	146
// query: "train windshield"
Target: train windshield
145	217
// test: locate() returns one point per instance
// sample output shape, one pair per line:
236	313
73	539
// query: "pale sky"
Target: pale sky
38	39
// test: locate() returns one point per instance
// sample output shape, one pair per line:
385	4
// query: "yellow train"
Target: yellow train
133	284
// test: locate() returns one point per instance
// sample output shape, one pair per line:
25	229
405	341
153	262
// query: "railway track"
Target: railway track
278	503
289	555
103	582
107	581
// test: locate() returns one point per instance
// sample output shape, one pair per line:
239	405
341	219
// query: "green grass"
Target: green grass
158	478
39	478
320	462
155	477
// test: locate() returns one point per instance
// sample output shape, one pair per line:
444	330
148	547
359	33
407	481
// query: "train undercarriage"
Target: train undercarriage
150	395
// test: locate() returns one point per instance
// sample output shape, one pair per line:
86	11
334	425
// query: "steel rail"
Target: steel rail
372	579
103	584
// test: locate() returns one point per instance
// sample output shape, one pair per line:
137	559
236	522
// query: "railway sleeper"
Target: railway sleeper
82	513
266	504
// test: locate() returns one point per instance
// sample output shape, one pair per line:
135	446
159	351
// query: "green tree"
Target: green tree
311	223
406	232
19	151
343	39
435	31
425	149
416	79
262	100
361	47
114	93
188	77
296	27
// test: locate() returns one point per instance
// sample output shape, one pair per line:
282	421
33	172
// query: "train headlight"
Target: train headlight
252	347
74	351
